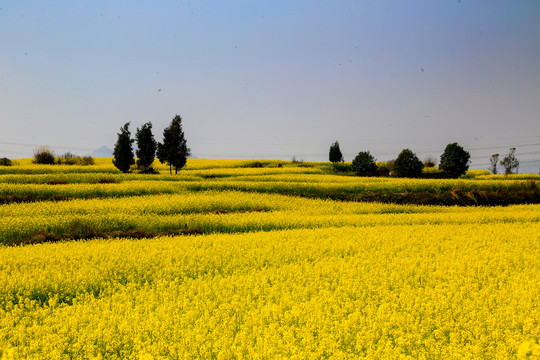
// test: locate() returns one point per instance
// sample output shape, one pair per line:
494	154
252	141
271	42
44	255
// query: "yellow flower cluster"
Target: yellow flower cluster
231	211
274	276
387	292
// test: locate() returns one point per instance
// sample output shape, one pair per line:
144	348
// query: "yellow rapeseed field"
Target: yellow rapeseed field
273	275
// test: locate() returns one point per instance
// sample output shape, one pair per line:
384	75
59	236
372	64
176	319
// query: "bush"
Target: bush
6	162
147	170
429	161
67	159
44	155
364	164
455	160
342	167
70	159
407	164
86	160
386	168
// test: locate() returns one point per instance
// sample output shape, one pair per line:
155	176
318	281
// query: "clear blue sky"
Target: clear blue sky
273	79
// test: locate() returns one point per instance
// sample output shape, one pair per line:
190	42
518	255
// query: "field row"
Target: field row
230	212
463	291
294	184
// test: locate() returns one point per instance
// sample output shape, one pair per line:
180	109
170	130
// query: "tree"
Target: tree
335	154
493	161
146	147
173	151
407	164
44	155
364	164
510	162
123	150
6	162
455	160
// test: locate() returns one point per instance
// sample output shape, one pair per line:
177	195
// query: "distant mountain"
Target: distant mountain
103	151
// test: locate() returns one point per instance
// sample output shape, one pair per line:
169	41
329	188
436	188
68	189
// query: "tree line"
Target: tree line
173	151
454	162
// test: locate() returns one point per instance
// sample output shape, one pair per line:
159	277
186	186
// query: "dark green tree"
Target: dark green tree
6	162
173	151
407	164
455	160
510	162
335	156
364	164
146	147
123	150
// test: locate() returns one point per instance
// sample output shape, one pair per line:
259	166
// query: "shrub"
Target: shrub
44	155
364	164
71	159
86	160
429	161
407	164
455	160
6	162
386	168
67	159
342	167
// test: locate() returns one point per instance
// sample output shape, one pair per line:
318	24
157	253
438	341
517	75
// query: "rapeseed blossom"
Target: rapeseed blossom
274	276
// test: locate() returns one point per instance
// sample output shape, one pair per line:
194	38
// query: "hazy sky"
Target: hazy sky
273	79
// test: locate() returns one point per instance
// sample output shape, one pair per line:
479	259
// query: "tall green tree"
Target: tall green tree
408	165
454	160
146	147
174	151
335	156
123	149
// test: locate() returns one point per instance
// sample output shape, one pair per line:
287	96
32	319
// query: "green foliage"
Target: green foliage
146	147
86	160
455	160
5	162
335	156
385	168
44	155
341	168
510	162
408	165
67	159
123	150
174	151
70	159
364	164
